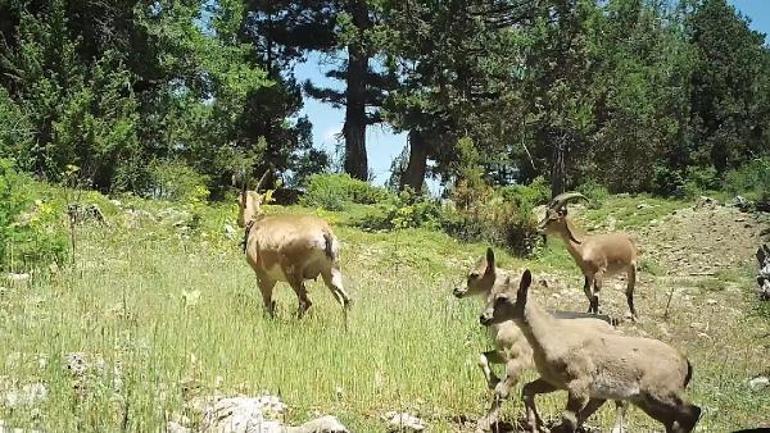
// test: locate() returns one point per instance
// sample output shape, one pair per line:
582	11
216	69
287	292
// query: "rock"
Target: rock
242	414
117	203
641	206
174	427
759	383
230	232
29	395
711	301
20	278
4	428
741	203
403	422
705	202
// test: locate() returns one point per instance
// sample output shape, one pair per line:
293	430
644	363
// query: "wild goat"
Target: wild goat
290	248
593	367
485	279
598	256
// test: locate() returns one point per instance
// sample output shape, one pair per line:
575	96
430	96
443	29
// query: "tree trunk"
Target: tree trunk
414	176
354	130
559	167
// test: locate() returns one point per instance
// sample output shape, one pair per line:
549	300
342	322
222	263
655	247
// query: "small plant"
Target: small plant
597	194
402	211
31	233
751	181
176	181
336	191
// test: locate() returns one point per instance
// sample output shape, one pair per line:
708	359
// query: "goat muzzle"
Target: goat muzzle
485	319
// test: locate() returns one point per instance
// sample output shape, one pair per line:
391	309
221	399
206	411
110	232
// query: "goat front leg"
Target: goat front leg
630	290
503	388
598	281
588	290
528	392
576	404
493	357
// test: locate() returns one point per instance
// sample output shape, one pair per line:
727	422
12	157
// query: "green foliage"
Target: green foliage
336	191
175	181
701	180
530	195
595	192
751	181
31	234
401	211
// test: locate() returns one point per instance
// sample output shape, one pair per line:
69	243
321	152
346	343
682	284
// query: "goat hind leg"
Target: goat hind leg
620	413
333	280
587	289
266	286
298	285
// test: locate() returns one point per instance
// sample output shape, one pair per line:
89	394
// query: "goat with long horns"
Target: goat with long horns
597	256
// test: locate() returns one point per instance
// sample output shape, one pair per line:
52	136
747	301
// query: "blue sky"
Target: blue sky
382	144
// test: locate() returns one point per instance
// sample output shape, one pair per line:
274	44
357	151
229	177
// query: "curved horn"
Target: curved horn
262	180
564	198
243	186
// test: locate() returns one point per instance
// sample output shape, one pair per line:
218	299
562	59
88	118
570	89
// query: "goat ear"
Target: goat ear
490	258
526	281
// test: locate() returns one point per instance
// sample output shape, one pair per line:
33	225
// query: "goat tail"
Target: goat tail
329	246
688	376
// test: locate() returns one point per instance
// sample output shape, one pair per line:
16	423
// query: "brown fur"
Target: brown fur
486	280
594	367
290	248
598	256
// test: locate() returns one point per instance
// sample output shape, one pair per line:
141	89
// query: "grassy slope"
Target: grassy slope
411	345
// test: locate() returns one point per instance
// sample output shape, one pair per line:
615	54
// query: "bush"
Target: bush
176	181
537	192
30	235
751	181
336	191
503	217
595	192
404	210
700	180
668	182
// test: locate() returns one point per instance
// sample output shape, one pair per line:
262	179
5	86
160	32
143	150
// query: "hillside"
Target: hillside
159	308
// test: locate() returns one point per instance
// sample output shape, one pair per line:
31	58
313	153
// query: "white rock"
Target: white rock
759	382
29	395
404	422
174	427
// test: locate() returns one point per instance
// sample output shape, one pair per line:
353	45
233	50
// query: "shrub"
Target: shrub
30	234
595	192
176	181
751	181
404	210
503	217
336	191
536	192
668	182
700	180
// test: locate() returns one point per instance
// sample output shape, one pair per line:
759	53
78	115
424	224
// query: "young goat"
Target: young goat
593	367
486	280
598	256
291	248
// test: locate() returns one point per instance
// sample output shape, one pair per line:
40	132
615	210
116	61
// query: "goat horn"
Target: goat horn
262	180
243	186
564	198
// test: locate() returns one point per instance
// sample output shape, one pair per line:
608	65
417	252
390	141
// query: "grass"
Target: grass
411	345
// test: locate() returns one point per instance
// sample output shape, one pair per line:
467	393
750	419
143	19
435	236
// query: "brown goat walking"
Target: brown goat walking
290	248
597	256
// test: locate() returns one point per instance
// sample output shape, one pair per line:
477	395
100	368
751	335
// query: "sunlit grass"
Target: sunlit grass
410	346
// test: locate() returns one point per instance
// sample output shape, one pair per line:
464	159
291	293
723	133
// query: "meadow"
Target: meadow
161	312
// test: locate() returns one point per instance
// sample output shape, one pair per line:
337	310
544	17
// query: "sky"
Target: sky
382	144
